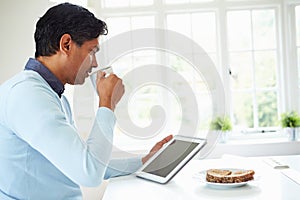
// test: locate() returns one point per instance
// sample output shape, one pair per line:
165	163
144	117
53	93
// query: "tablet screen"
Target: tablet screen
163	164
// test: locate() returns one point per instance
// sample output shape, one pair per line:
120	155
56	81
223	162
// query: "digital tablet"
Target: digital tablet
170	159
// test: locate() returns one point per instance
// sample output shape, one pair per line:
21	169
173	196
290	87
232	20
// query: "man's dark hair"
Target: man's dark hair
66	18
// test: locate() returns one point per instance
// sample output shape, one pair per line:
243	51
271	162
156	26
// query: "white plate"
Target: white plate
225	185
202	176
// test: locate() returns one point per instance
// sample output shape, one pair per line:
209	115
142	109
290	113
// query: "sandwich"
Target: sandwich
229	176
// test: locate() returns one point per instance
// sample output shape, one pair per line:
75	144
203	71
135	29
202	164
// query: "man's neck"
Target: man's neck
51	63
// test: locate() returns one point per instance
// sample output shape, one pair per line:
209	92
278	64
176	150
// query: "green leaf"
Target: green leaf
290	119
221	123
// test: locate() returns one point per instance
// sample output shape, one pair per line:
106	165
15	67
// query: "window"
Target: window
253	67
147	97
245	39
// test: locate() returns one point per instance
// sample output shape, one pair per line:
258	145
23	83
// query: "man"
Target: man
41	153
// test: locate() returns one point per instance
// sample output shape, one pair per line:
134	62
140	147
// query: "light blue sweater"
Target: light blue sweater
41	153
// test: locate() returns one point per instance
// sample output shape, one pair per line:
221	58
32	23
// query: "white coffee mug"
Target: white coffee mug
108	70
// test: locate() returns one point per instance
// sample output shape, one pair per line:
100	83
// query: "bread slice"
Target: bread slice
229	176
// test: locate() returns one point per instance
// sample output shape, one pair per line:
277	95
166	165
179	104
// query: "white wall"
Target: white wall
17	26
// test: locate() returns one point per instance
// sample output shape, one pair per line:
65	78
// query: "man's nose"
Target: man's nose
94	62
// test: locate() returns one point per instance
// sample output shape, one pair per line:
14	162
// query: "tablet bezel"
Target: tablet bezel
141	174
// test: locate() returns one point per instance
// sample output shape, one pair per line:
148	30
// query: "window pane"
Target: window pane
115	3
242	110
298	59
297	13
298	24
241	70
198	85
144	57
180	23
239	30
141	2
267	109
122	65
264	29
144	99
265	69
214	58
142	22
204	30
117	25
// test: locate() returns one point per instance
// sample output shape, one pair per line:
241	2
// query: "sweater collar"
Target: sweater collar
46	74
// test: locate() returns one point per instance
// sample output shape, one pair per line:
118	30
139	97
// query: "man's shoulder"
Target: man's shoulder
28	76
25	81
24	78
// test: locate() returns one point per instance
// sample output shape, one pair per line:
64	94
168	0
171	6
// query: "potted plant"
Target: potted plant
290	121
223	125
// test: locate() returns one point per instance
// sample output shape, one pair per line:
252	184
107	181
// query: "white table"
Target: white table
269	184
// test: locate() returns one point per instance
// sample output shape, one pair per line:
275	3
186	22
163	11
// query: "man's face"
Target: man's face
82	61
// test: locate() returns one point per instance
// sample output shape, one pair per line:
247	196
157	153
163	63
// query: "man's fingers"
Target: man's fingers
168	138
100	75
165	140
156	147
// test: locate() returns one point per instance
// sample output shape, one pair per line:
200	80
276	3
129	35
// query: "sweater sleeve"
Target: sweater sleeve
121	167
34	113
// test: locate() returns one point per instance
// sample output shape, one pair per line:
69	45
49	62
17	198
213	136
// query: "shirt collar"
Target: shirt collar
46	74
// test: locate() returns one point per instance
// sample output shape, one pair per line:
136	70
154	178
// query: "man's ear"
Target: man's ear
65	43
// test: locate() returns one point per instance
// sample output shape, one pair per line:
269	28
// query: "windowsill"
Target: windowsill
257	147
257	140
272	144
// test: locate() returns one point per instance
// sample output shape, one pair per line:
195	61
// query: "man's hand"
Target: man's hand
156	147
110	90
